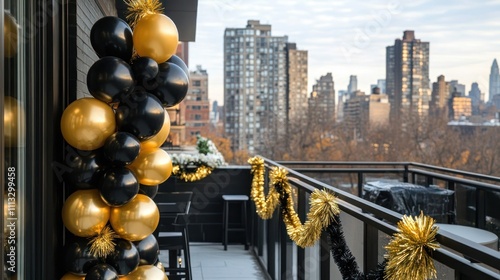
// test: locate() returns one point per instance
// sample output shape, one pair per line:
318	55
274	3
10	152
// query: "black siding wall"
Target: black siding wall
205	222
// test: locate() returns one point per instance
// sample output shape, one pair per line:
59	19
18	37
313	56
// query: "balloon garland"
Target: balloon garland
409	250
114	160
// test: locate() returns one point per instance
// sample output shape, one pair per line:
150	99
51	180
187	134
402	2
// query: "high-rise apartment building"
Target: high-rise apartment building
494	80
256	85
439	97
297	83
197	104
356	113
407	75
322	99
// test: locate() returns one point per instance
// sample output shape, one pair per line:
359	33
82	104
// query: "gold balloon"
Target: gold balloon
10	30
160	137
156	36
87	122
146	272
160	266
84	213
14	122
70	276
135	220
152	166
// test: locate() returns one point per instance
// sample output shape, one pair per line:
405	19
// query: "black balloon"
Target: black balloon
85	168
172	84
125	257
102	271
145	69
150	191
109	78
121	148
112	36
118	186
77	257
141	114
179	62
148	250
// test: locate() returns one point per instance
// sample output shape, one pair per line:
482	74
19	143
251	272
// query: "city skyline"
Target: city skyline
348	39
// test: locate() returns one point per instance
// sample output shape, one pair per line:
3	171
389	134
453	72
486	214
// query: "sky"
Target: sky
349	37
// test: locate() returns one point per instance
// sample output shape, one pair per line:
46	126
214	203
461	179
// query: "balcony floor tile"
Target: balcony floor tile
209	261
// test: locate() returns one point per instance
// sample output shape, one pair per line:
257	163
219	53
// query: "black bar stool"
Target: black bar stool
242	200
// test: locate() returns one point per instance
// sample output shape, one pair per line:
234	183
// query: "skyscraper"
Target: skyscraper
356	113
381	85
322	99
353	84
297	83
476	98
494	80
407	75
342	97
439	97
257	74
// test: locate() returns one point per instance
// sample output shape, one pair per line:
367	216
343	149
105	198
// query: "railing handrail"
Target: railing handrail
382	217
407	164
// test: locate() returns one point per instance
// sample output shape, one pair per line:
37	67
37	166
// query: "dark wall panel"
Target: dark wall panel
205	223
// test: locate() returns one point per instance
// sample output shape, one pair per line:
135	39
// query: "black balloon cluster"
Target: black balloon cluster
126	257
118	166
116	75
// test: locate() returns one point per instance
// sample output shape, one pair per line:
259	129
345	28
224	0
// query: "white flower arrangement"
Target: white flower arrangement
207	158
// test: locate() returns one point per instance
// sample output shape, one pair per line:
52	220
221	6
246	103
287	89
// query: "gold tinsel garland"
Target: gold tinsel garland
199	173
265	205
321	214
137	9
102	245
408	253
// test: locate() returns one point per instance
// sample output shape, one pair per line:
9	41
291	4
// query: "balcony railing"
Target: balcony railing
368	226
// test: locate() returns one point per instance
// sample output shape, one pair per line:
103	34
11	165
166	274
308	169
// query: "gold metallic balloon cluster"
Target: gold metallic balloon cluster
323	207
408	253
87	123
